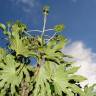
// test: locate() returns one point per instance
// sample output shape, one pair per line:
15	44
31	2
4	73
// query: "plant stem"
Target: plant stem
27	34
49	29
34	31
44	25
8	28
51	38
24	88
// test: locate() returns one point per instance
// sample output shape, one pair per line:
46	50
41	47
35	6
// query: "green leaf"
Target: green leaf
61	83
8	73
78	78
51	74
57	41
90	90
2	26
72	70
76	89
12	74
19	46
2	53
41	86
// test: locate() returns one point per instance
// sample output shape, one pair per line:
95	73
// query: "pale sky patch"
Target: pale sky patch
26	5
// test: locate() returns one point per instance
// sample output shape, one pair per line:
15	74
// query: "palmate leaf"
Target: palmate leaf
56	43
55	75
11	74
16	39
8	74
42	87
52	50
17	45
42	80
61	82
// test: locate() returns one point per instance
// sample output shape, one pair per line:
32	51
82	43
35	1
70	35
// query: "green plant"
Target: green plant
50	76
90	90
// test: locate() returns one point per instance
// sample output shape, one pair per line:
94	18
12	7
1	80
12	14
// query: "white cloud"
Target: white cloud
85	58
26	5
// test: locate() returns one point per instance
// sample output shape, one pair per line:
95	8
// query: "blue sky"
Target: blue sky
79	16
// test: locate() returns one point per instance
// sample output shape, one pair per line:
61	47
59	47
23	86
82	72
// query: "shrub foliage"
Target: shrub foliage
52	75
